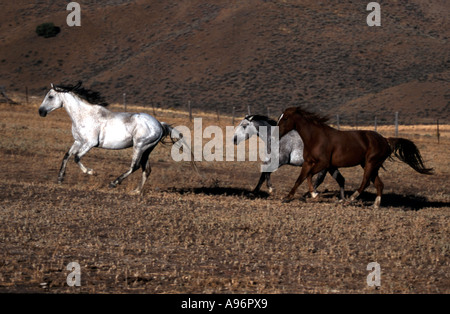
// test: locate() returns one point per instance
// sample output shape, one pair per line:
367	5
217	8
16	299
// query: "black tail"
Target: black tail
407	151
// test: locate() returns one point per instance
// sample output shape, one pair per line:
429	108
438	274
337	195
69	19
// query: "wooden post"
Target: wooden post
396	124
190	110
232	121
268	113
437	130
153	107
125	101
375	123
338	122
248	109
217	113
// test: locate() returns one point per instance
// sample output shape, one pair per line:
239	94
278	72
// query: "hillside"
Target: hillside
219	54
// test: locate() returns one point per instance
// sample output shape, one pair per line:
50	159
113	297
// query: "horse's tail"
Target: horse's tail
407	151
175	137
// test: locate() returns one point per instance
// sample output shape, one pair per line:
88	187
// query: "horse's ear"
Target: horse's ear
250	118
78	85
53	86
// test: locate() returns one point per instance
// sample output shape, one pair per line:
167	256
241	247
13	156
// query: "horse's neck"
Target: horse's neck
307	130
76	108
266	136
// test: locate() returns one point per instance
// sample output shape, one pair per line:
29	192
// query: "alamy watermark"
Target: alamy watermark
221	147
74	17
74	277
374	277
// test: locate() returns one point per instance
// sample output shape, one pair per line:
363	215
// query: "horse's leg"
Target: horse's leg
335	173
268	182
137	154
379	186
146	170
81	152
319	180
369	171
310	185
262	178
62	169
303	174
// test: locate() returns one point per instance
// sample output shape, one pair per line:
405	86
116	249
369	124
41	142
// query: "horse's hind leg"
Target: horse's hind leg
319	180
379	186
146	170
370	173
137	154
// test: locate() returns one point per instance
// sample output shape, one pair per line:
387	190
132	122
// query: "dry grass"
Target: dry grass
210	235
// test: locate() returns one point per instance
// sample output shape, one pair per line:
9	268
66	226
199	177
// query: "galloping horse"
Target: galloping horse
290	150
326	147
95	126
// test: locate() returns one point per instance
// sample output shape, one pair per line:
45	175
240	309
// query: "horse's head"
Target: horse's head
286	121
52	101
244	130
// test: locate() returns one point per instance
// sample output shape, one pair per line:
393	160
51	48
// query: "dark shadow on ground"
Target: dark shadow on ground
402	201
226	191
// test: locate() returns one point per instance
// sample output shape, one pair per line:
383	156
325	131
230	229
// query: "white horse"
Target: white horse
95	126
290	150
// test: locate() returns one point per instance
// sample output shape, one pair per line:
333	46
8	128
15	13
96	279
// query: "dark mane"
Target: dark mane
311	116
261	118
90	96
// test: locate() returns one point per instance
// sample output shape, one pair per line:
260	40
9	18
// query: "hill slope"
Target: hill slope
220	54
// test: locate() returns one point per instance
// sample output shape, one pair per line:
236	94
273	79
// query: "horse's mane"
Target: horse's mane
261	118
311	116
90	96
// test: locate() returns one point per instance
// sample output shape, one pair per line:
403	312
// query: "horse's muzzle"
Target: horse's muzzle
42	112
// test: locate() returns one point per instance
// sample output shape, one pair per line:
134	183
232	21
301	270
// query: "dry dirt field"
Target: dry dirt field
192	234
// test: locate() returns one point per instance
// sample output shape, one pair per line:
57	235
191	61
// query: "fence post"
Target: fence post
396	124
190	111
232	121
437	130
218	115
153	107
248	108
338	122
375	123
125	101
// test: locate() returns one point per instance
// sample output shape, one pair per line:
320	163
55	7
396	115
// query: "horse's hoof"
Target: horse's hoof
287	200
91	172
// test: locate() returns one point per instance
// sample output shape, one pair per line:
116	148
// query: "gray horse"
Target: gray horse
95	126
290	150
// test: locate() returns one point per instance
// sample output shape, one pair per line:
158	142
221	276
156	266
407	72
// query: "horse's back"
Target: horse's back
148	126
351	148
122	129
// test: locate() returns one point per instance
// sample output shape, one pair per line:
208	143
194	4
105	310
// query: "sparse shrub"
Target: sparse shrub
47	30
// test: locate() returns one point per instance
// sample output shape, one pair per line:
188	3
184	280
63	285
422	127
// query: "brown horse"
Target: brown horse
326	147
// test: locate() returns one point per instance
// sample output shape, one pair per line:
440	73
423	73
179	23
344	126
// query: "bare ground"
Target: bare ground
189	234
